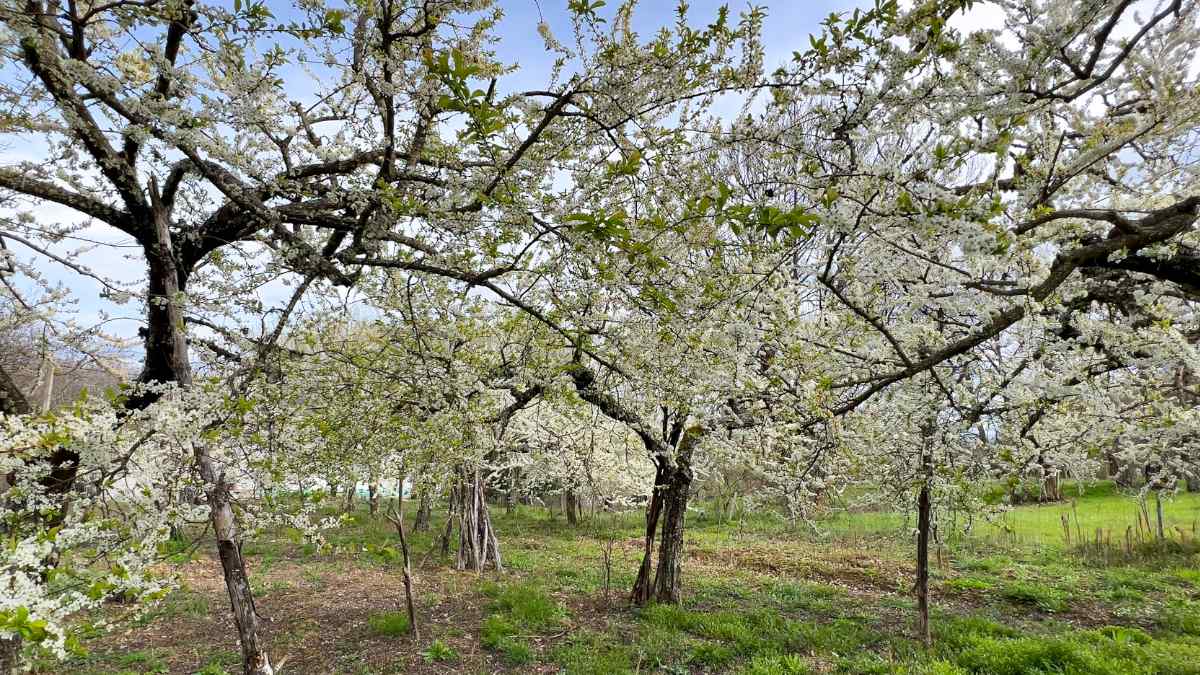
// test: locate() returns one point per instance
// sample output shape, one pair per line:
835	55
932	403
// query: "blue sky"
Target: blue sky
788	24
786	29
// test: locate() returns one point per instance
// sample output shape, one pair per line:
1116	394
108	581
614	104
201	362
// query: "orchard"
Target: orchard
419	336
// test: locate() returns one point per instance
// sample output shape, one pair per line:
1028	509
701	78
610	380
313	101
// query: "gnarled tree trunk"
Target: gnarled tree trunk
477	543
643	584
672	489
669	578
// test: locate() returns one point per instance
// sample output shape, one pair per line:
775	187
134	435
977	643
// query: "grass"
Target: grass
516	612
762	596
1107	651
143	660
389	623
439	652
1099	507
1044	597
1181	616
790	664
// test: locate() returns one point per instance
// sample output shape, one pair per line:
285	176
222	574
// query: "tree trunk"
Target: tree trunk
571	506
166	324
43	389
373	497
1052	489
12	399
643	586
672	486
923	564
450	509
1051	486
423	511
668	579
351	491
254	657
10	654
398	520
477	543
511	495
12	402
1159	512
1113	465
923	530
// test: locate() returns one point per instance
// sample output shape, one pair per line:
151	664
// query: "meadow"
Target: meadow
762	597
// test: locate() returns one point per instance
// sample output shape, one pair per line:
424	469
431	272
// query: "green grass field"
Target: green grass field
1088	508
762	597
1112	513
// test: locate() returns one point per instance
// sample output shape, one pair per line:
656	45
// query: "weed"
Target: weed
501	634
262	587
865	663
1180	616
439	652
790	664
967	584
389	623
143	661
711	655
816	599
1046	598
528	606
592	653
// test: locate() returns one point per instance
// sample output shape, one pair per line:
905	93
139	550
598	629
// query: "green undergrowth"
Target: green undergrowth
762	596
389	623
517	613
760	642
